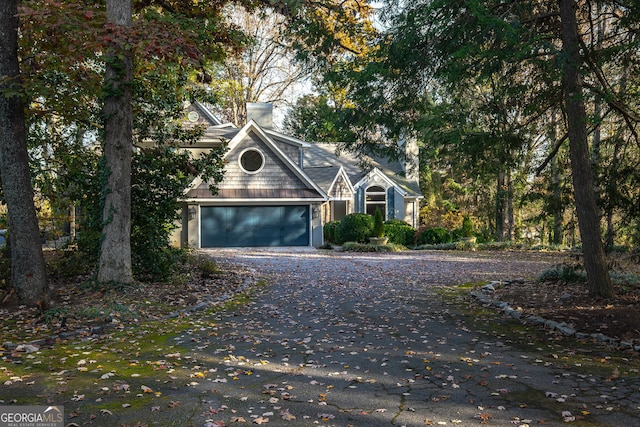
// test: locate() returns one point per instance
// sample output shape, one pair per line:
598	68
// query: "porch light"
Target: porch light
192	213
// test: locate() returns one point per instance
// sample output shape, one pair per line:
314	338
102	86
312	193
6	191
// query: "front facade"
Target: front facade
280	191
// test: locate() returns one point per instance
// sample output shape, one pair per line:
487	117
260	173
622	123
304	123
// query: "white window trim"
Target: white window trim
382	204
242	167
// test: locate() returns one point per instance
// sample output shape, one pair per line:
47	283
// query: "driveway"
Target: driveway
348	339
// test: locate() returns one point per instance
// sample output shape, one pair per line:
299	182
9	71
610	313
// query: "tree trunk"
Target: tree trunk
556	203
28	272
115	250
501	209
598	279
511	220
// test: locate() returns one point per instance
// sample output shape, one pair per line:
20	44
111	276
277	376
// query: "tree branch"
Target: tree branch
561	141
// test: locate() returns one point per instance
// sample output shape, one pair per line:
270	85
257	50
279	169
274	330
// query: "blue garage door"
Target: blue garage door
227	226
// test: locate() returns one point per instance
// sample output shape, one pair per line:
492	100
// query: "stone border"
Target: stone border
484	296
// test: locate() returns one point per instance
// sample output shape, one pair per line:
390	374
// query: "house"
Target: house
280	191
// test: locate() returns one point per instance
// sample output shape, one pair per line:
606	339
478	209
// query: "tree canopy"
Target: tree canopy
483	85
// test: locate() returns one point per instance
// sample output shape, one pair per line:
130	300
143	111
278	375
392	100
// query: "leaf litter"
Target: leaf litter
307	340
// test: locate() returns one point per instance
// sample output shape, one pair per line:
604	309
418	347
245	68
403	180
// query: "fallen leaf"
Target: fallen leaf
287	416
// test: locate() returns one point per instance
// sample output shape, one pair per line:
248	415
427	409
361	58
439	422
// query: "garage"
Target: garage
246	226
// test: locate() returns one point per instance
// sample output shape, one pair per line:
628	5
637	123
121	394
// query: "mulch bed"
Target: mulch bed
618	317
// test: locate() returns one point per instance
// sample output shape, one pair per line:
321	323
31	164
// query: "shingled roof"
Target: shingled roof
322	163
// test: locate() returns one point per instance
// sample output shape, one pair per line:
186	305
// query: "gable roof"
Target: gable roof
309	190
253	127
208	115
319	167
322	162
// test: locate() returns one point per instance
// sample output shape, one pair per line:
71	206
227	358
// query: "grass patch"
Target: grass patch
111	368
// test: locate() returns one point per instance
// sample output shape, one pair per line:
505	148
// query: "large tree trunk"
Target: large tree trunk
28	272
511	220
115	251
557	208
598	279
501	207
505	218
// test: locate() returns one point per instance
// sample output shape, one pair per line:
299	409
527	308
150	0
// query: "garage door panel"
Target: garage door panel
297	219
240	223
215	224
239	226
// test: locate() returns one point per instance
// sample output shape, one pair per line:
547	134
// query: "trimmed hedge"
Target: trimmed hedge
399	232
355	227
329	231
433	236
378	224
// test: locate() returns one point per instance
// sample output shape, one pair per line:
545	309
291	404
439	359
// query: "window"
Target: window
376	199
251	160
339	209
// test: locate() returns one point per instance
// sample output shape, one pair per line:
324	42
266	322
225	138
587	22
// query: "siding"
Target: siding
291	151
340	190
274	175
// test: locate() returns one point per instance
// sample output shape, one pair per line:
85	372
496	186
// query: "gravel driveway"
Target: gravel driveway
348	339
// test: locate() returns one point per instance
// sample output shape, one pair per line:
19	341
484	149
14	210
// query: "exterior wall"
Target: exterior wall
176	236
340	190
411	213
192	228
196	152
317	232
292	152
275	174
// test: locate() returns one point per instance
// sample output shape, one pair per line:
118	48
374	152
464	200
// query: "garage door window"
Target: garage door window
251	160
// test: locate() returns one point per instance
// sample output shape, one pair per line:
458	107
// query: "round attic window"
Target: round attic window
193	116
251	160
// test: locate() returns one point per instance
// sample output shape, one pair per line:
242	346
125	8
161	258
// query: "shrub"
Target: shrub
563	272
329	231
467	226
358	247
399	232
208	267
363	247
440	247
457	234
355	227
378	225
433	236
